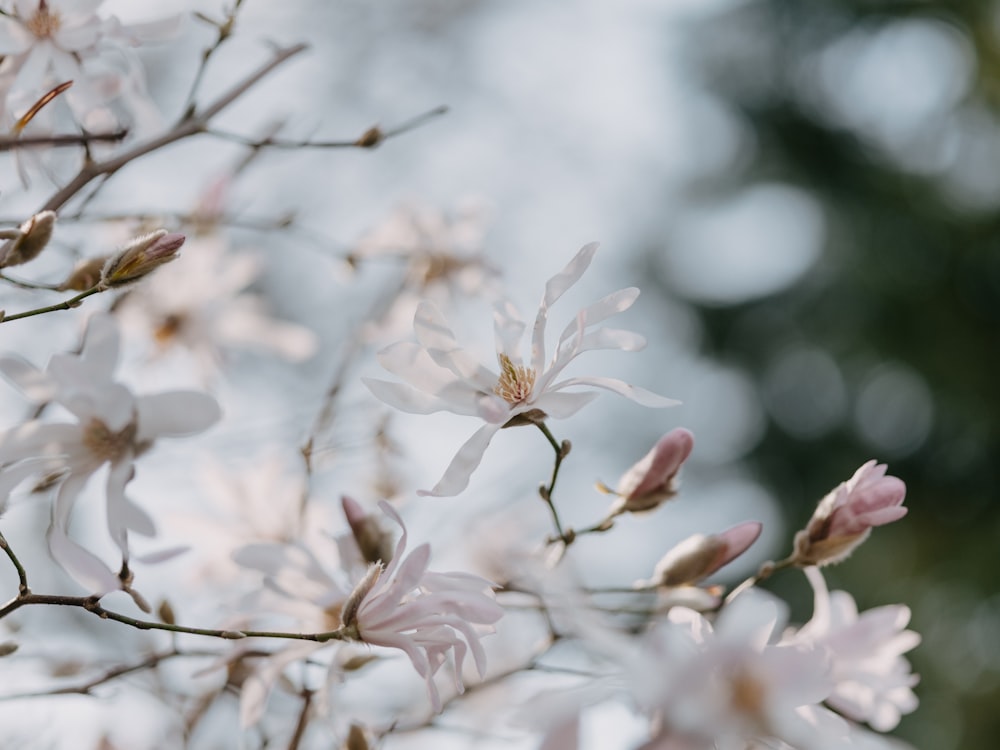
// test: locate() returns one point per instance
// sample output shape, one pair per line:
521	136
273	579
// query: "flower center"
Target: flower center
170	326
747	695
106	445
44	23
516	381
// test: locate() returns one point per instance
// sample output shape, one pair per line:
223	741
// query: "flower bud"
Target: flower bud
86	274
653	479
32	237
845	517
349	613
140	256
374	543
699	556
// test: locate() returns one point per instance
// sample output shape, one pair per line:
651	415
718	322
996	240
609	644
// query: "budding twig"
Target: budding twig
562	450
68	304
22	576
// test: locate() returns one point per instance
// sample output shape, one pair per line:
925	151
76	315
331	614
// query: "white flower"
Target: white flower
441	376
113	427
727	686
200	303
423	614
399	605
44	42
872	680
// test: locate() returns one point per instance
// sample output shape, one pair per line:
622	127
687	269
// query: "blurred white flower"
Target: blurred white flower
424	614
872	680
727	686
45	42
200	303
113	427
440	376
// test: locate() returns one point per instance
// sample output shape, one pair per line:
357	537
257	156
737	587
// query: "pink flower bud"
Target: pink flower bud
654	478
699	556
845	517
374	543
140	256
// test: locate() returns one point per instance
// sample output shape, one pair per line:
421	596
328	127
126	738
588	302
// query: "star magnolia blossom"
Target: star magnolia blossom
726	686
440	376
113	427
44	42
872	679
423	614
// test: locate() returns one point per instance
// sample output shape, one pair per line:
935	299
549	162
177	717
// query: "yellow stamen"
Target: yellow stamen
44	23
106	445
516	381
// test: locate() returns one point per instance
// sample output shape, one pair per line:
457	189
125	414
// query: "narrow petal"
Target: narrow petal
437	338
554	289
120	474
85	567
456	476
406	398
32	382
563	405
614	303
509	330
632	392
176	414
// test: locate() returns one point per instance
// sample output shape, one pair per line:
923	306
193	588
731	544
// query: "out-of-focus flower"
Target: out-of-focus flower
700	555
31	238
845	517
113	427
399	605
44	42
729	686
653	479
872	680
440	376
424	614
200	303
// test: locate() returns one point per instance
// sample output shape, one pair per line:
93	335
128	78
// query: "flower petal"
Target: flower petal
175	414
436	337
632	392
555	288
470	455
32	382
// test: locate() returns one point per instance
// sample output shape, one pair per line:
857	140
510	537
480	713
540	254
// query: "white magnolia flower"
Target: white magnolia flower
872	680
726	686
440	376
46	42
113	427
398	605
200	302
424	614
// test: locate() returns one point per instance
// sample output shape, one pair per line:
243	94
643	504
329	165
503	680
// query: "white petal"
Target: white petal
32	382
554	289
14	38
436	337
456	476
37	439
11	476
86	568
412	363
100	346
120	475
632	392
604	308
152	558
405	398
176	414
509	330
563	405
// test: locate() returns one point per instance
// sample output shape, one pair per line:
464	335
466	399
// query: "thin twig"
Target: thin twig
9	144
561	450
22	576
29	284
192	124
68	304
91	604
303	721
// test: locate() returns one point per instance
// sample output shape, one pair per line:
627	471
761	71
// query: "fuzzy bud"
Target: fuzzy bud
845	517
700	555
140	256
31	238
653	479
349	614
374	543
86	274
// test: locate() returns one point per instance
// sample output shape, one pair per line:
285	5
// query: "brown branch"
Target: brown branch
81	139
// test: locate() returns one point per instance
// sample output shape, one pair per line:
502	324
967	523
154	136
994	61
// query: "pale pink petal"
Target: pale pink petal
456	476
33	439
563	405
406	398
436	337
86	568
176	414
121	474
508	328
555	288
14	38
604	308
36	386
632	392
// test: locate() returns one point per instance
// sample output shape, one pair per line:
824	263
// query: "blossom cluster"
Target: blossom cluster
326	604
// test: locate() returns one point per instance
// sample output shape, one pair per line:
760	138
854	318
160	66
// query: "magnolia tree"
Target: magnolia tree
312	617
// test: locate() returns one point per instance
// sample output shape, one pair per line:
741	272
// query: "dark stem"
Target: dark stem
303	722
22	576
561	450
68	304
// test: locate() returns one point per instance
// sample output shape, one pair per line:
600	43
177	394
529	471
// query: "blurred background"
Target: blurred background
808	195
